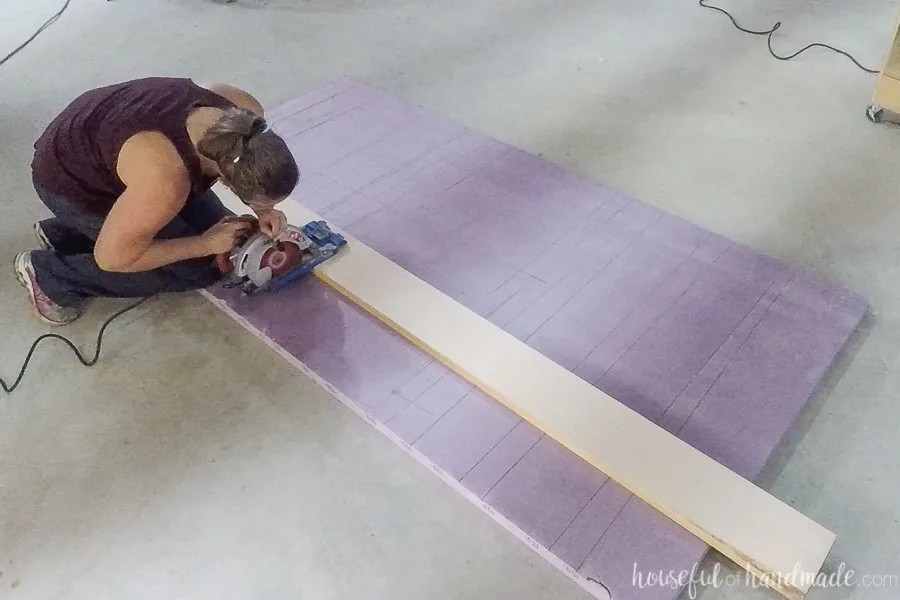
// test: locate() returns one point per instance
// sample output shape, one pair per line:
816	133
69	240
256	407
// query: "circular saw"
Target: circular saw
261	263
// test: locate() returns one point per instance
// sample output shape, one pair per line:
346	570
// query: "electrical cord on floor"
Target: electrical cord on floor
770	32
9	388
40	30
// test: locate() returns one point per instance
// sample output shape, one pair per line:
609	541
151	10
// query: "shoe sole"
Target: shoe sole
42	239
24	277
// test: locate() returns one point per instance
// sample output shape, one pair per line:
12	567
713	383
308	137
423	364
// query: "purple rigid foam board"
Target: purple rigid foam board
713	341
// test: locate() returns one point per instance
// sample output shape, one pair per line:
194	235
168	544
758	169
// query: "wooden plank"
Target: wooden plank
761	534
887	86
887	93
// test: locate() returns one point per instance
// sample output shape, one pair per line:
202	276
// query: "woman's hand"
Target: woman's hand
223	236
272	222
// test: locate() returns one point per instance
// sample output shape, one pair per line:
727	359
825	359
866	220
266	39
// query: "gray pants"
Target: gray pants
69	275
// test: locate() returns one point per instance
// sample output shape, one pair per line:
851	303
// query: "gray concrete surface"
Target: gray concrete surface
193	463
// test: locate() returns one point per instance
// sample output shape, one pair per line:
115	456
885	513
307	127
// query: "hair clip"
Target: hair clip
236	158
266	130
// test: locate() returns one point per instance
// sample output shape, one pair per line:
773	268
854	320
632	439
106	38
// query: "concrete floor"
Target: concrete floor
194	463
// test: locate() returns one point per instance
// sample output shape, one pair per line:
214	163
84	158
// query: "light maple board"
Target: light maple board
758	532
887	86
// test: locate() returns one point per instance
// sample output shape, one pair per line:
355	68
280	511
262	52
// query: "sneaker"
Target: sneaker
47	310
42	238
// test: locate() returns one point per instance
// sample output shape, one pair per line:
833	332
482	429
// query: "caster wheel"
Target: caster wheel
874	113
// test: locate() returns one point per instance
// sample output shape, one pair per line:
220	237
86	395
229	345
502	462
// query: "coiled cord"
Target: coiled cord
87	362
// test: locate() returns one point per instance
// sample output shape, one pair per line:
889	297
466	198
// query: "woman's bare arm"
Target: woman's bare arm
157	186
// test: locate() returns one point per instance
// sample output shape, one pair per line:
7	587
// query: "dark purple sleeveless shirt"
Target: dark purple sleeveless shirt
76	156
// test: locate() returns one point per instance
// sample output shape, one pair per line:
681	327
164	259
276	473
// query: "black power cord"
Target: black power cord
9	388
770	32
40	30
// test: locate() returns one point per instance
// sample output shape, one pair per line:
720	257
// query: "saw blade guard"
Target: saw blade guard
261	258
